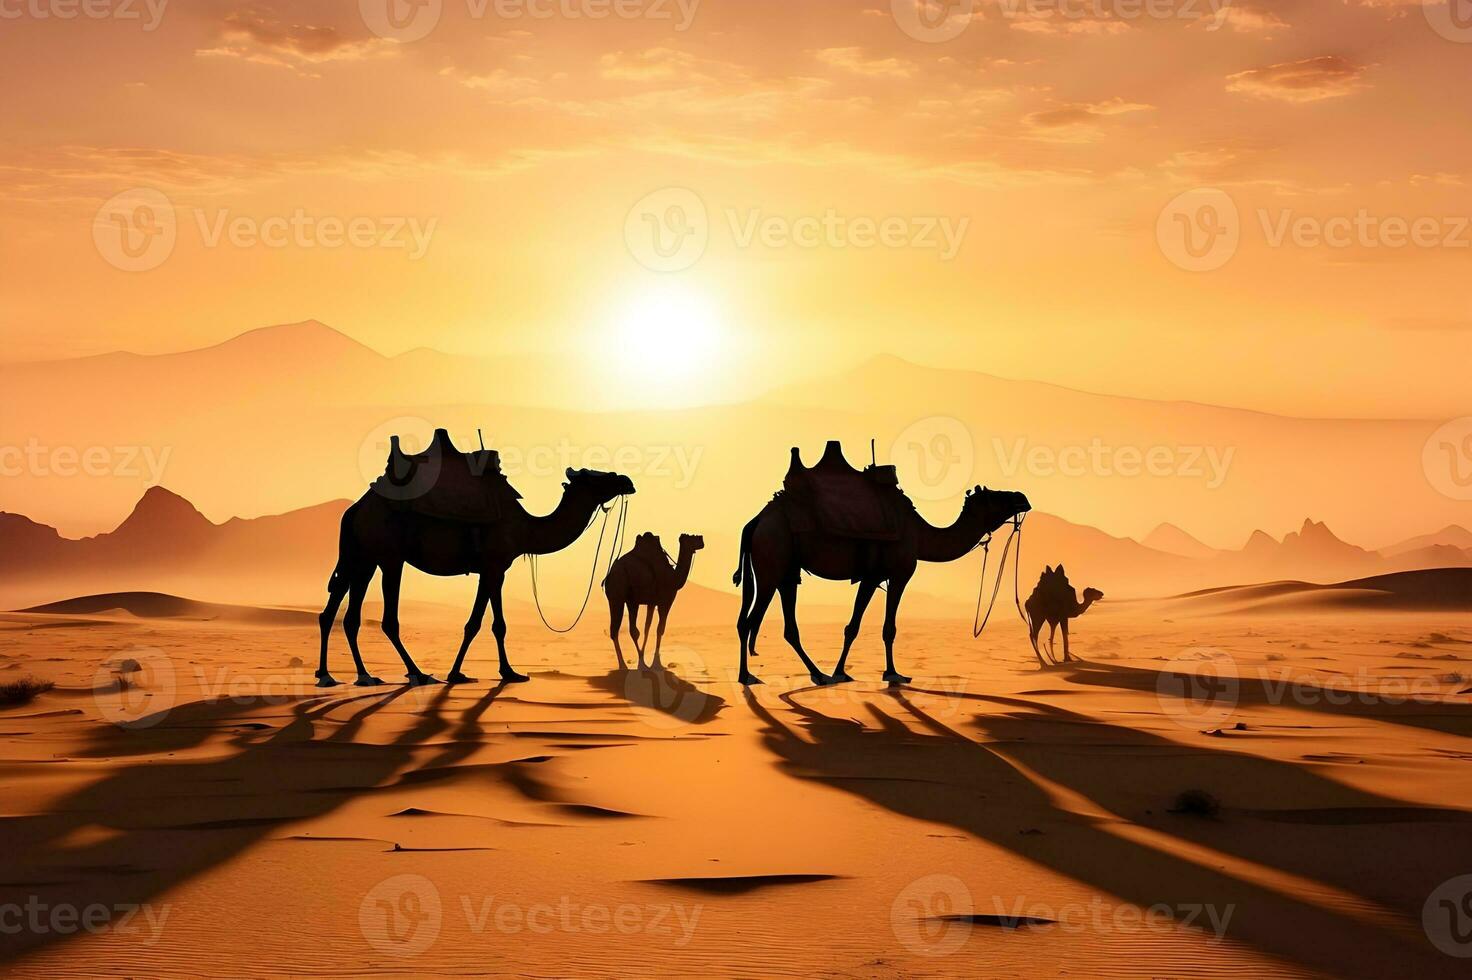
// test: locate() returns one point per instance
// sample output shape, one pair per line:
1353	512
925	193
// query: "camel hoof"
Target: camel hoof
895	677
367	680
512	677
422	680
841	677
459	678
748	679
327	680
822	680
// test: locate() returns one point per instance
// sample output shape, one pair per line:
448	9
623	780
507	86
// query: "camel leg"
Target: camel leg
1066	655
664	612
393	577
851	631
1052	639
498	629
634	631
337	588
472	629
353	619
749	627
616	623
648	621
891	613
790	631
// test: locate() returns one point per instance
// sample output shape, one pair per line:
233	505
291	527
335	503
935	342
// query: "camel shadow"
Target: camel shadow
661	690
145	828
916	766
1236	691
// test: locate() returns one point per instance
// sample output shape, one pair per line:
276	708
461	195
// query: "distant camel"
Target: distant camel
1055	602
379	533
644	577
773	557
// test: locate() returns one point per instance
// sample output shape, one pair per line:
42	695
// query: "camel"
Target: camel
773	558
378	533
1055	602
645	577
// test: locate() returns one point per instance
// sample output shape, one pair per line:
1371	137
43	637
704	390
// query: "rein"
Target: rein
978	622
618	539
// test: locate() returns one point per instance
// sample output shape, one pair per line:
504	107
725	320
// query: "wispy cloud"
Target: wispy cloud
1309	80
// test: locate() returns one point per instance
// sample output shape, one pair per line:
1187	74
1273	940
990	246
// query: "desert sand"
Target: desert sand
221	816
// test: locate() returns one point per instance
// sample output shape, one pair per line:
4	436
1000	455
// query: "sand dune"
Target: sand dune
1425	590
158	605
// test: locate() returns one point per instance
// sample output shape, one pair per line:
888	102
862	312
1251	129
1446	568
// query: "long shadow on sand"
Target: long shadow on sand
144	828
917	766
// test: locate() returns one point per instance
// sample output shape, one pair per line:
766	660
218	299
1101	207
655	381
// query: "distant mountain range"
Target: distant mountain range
166	545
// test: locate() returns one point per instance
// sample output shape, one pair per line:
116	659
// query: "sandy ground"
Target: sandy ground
222	817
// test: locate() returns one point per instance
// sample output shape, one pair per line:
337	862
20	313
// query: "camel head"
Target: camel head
1001	504
691	542
602	486
1092	595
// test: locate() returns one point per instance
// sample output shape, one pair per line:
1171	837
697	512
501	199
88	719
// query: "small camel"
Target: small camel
646	577
1055	602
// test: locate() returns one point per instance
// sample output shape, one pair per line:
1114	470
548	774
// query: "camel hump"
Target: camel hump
842	500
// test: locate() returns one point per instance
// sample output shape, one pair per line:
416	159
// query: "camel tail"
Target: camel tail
745	555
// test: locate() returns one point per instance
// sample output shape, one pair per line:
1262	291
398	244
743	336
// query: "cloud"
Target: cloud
1078	122
854	60
254	37
1243	19
1310	80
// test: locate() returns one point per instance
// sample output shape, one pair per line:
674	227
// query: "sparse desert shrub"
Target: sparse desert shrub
1452	678
23	691
1197	803
127	666
296	662
1275	657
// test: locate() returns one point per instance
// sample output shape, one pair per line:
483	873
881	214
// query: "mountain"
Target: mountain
1173	541
1451	536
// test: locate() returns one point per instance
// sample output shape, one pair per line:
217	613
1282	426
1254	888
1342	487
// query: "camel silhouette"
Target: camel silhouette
378	533
646	577
773	557
1054	601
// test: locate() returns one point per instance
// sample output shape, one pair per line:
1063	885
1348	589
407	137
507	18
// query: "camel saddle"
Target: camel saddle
445	483
843	501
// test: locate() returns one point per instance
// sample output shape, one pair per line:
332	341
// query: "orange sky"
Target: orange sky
520	144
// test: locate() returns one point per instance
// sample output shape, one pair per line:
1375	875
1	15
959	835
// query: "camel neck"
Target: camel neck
942	544
555	531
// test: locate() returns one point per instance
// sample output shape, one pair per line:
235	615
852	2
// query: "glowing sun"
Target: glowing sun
669	332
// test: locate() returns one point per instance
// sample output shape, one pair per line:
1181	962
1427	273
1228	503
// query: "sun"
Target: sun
670	333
